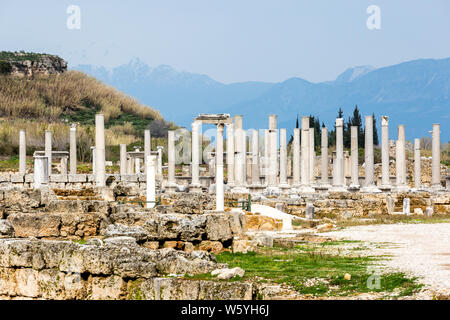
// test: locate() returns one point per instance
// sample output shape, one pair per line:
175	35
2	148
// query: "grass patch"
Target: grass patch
314	272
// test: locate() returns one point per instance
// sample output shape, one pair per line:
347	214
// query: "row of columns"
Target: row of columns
304	157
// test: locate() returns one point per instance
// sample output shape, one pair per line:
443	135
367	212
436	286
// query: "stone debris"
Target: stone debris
225	274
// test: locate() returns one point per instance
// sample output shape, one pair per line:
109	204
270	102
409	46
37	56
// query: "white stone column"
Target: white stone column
338	167
151	180
123	159
417	178
130	165
195	183
244	157
159	172
354	158
312	157
401	160
296	158
230	154
219	169
273	122
283	159
385	174
40	171
436	157
305	152
73	148
137	162
22	152
368	152
266	156
171	161
273	157
48	150
324	163
255	159
369	183
100	150
238	164
63	165
147	147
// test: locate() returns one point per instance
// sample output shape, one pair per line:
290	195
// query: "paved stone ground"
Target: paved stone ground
421	250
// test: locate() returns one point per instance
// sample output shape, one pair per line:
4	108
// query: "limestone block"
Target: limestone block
142	177
58	178
77	178
29	178
90	178
244	246
5	177
215	247
109	288
27	283
17	178
129	178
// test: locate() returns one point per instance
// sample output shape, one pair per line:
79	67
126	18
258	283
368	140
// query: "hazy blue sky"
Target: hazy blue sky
232	40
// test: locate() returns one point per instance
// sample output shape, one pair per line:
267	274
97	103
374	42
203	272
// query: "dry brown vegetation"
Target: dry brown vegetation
50	97
53	102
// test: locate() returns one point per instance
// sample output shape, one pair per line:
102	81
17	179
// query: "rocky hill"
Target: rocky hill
24	64
37	93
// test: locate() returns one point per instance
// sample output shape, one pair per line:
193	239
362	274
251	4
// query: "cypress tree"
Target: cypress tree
375	131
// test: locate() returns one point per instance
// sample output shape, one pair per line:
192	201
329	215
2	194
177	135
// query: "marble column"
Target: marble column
147	147
417	178
48	150
436	157
256	182
73	148
230	154
100	150
123	159
150	165
244	157
238	164
40	171
354	158
325	182
63	165
171	185
273	122
266	163
369	183
312	157
273	158
305	152
159	172
385	174
338	166
283	159
296	158
195	182
137	162
219	169
400	154
368	152
22	152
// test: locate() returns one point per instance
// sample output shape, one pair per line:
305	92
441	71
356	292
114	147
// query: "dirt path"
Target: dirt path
421	250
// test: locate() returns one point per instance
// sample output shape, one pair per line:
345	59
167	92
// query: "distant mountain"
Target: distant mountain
414	93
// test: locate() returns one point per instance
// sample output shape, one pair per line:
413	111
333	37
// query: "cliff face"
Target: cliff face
23	64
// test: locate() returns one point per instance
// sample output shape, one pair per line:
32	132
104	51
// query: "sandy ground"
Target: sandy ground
421	250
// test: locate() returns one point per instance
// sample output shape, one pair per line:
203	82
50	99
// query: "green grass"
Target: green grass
297	266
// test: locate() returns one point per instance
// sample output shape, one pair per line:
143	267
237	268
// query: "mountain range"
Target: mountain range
415	93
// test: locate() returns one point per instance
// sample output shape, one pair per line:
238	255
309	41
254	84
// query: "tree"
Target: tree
375	131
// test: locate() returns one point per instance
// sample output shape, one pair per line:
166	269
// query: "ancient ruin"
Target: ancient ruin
141	232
